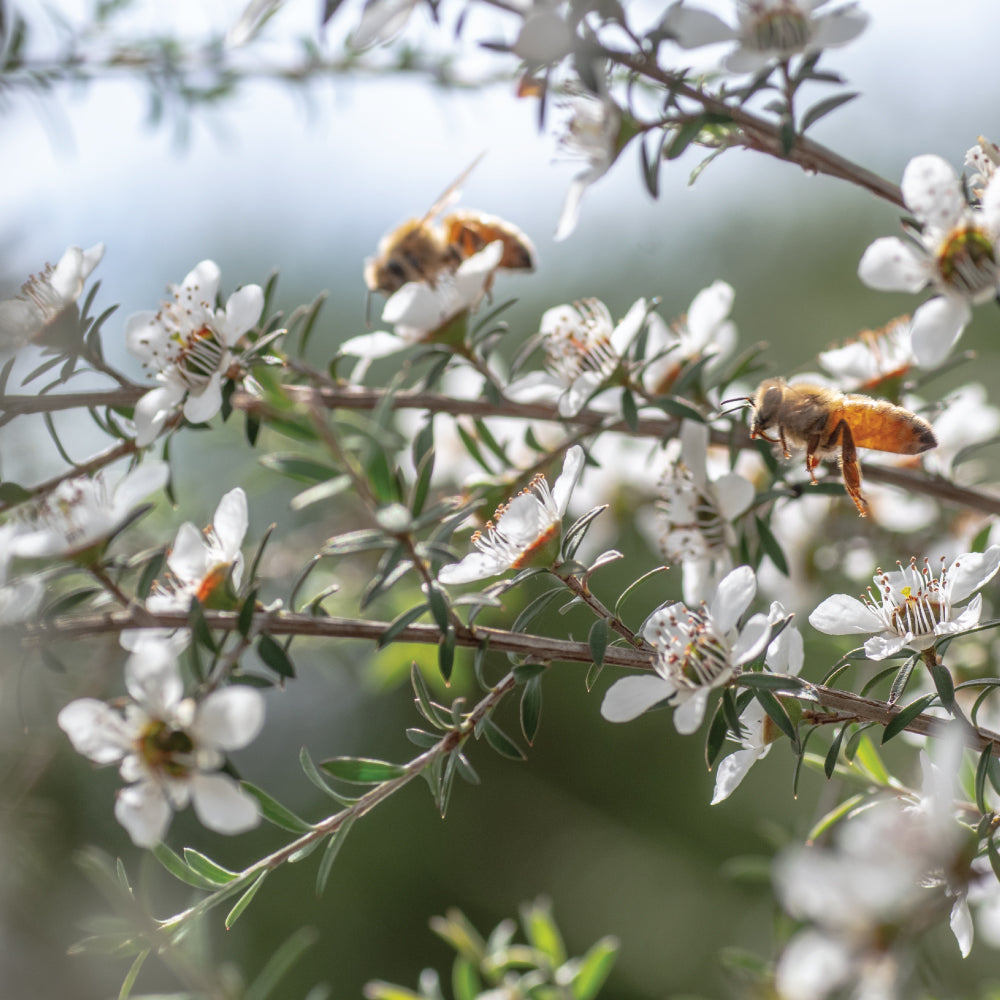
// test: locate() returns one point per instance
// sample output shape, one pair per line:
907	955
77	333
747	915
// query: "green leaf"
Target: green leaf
424	702
321	491
683	137
207	868
199	627
834	816
982	774
905	716
542	932
943	683
132	975
330	854
716	737
312	772
244	621
362	770
243	902
679	409
273	654
12	493
769	682
771	546
465	981
176	866
298	467
595	968
630	412
598	640
274	812
824	107
536	607
531	708
399	623
833	754
500	741
446	653
776	712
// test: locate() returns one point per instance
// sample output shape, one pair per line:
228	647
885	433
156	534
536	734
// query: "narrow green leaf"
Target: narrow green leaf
594	968
422	697
243	902
833	754
834	816
905	716
982	774
199	627
362	770
465	981
273	654
630	412
399	623
866	755
330	854
176	866
536	607
298	467
677	408
446	653
500	741
244	620
312	772
542	932
776	712
715	738
207	868
943	682
771	546
132	975
274	812
598	640
531	708
769	682
823	108
439	607
465	769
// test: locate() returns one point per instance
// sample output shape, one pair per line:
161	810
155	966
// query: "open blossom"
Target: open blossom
871	358
912	607
526	529
767	30
188	345
695	651
592	134
705	330
81	514
421	311
955	253
785	655
207	565
169	749
694	514
982	161
45	296
584	352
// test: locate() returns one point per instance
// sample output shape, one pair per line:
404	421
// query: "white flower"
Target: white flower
914	607
80	514
766	30
169	748
966	419
705	330
420	311
694	514
381	21
696	650
785	655
592	134
983	160
584	351
955	253
188	344
526	528
45	296
873	357
207	565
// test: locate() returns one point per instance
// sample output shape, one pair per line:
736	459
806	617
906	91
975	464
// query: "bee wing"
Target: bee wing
453	191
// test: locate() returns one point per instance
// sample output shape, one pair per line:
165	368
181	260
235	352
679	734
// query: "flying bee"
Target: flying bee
425	249
826	422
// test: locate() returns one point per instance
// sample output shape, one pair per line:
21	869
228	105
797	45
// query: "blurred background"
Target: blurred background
611	822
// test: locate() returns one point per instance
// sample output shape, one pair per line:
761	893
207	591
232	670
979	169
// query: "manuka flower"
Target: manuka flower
982	161
169	748
913	607
584	352
785	655
695	651
524	531
81	514
422	312
766	30
694	514
955	252
705	330
593	133
872	358
188	345
46	296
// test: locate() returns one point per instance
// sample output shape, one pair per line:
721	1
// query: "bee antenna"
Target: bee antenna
741	400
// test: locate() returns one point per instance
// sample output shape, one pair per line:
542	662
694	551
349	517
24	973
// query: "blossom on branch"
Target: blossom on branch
695	651
46	296
955	252
188	346
169	749
525	531
766	30
81	514
913	607
872	358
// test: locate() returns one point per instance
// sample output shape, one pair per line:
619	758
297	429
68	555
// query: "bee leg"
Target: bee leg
849	467
784	444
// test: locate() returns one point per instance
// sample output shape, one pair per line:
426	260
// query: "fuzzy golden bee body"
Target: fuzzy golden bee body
826	423
425	249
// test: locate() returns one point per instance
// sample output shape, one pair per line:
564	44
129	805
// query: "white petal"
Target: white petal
932	191
693	27
812	966
960	922
570	214
379	344
838	28
566	483
202	281
694	450
786	654
91	258
243	310
20	320
137	484
878	647
688	715
732	771
969	618
937	325
229	719
20	599
152	411
475	566
222	805
204	404
96	730
145	336
189	557
970	571
629	327
709	308
153	678
629	697
736	591
67	276
844	615
381	21
752	640
230	522
733	493
144	811
890	265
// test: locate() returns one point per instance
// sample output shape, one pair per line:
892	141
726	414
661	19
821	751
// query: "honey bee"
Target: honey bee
425	249
826	422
